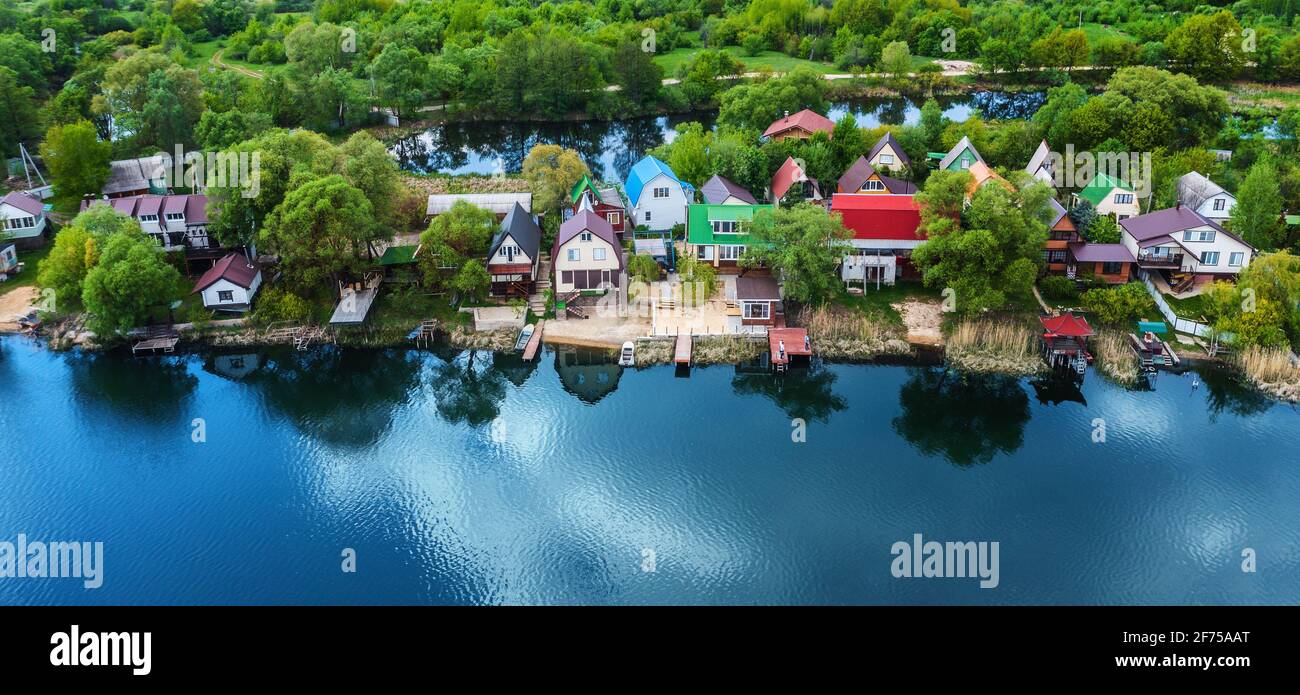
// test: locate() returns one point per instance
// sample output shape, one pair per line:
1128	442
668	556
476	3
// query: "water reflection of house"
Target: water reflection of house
588	374
236	366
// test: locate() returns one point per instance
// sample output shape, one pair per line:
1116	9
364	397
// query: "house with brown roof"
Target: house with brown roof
178	222
1184	246
800	126
23	220
1111	263
791	179
1061	232
759	298
138	176
721	190
862	177
586	254
887	154
229	285
514	255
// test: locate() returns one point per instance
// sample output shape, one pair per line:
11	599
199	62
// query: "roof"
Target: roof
1066	324
807	120
609	196
1165	222
127	175
1100	186
1039	159
587	221
1194	189
961	146
981	174
234	268
888	139
1059	213
786	176
858	174
1101	253
24	202
699	229
757	288
498	203
717	189
646	170
518	225
194	206
879	216
584	183
399	255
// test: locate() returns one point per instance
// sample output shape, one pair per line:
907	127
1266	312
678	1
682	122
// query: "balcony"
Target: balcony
1159	260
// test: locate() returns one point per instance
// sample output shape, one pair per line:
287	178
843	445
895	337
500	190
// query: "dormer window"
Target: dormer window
1123	198
148	218
175	216
886	159
585	236
873	185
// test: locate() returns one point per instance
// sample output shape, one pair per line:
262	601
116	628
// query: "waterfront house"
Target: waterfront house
800	126
1040	165
790	179
658	198
138	176
23	218
886	228
514	254
603	200
1206	197
177	222
720	190
887	155
719	234
587	254
1060	234
960	157
759	300
1109	263
863	177
1110	196
1184	247
499	204
229	285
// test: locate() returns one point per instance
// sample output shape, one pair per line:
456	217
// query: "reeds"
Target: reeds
1001	347
843	333
1115	358
1272	371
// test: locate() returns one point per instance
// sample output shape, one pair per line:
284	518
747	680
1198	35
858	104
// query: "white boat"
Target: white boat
626	357
522	341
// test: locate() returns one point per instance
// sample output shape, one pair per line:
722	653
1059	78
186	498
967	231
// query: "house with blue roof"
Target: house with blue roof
658	198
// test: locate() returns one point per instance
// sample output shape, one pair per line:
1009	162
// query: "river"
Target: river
612	147
468	478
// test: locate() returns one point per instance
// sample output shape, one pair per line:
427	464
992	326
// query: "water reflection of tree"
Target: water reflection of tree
801	393
1226	391
468	387
155	388
967	419
340	396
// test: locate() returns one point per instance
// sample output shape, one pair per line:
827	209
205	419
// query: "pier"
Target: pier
682	351
784	343
534	342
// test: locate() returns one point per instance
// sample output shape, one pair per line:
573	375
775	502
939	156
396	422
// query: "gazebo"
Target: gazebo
1065	341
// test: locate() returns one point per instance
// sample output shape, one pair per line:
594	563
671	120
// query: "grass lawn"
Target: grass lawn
877	302
1191	308
767	60
27	278
1095	31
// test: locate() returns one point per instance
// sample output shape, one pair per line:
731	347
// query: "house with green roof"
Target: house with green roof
719	234
1110	195
605	202
960	157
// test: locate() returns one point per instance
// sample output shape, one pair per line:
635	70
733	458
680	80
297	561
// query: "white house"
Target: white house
1110	196
657	196
178	222
24	220
230	284
1206	197
888	155
1040	165
1188	247
586	254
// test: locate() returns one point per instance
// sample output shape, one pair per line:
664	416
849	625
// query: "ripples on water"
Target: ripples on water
464	477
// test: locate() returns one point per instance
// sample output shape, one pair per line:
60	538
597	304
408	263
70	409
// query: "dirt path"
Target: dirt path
14	304
216	60
923	321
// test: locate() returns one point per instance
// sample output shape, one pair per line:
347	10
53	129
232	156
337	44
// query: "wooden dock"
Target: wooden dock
783	343
535	342
682	352
153	345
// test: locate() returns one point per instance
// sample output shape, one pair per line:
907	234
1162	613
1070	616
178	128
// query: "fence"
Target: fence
1180	325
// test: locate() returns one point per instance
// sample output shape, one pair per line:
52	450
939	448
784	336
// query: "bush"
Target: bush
1117	305
643	268
1058	287
275	304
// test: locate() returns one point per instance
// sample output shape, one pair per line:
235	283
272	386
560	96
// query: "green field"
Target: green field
1096	31
767	60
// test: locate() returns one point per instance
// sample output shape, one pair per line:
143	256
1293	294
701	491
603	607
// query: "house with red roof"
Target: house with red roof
791	179
800	126
23	220
586	254
886	228
229	285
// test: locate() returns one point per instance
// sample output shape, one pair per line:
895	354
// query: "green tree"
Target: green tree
896	60
756	106
1257	215
688	154
639	76
803	245
131	279
367	165
399	73
321	230
552	172
77	161
700	83
1208	46
76	250
17	113
454	241
1102	230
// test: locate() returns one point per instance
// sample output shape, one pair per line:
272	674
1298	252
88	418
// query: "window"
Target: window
566	277
1111	268
965	164
148	218
575	254
598	254
647	215
1210	258
725	227
661	192
1202	235
1219	203
873	185
225	295
1056	256
1123	198
704	253
757	310
730	253
1236	258
886	159
614	218
175	216
585	236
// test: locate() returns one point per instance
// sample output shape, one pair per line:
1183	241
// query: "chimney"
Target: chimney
787	115
1178	205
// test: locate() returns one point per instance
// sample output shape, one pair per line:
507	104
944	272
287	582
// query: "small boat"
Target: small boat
1152	352
524	335
626	357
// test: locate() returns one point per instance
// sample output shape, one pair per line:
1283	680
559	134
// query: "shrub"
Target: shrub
275	304
1121	304
1058	287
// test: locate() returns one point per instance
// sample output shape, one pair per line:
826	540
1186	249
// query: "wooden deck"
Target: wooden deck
153	345
783	343
535	342
682	351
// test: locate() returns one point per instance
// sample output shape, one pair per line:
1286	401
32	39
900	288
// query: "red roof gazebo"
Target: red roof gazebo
1067	325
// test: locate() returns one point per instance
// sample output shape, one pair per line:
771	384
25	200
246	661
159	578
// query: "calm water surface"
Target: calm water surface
612	147
464	477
